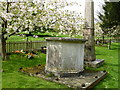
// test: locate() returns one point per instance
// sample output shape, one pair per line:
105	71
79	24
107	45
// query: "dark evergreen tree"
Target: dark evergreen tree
110	19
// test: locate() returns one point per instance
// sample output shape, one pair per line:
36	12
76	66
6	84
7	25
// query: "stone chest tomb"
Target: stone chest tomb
64	55
65	64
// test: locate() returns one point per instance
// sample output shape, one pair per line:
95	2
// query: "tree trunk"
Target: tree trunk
103	39
27	43
1	55
2	38
3	41
109	43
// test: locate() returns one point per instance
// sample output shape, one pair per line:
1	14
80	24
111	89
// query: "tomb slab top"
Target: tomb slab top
65	39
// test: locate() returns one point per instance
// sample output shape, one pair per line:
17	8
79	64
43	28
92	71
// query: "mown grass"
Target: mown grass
111	65
12	78
15	38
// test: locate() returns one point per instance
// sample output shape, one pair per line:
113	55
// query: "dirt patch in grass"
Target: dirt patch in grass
39	69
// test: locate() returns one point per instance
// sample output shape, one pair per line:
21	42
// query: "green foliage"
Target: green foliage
110	19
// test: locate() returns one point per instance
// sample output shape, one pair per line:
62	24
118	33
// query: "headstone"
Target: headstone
90	58
64	55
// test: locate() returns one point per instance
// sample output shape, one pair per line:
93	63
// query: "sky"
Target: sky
97	7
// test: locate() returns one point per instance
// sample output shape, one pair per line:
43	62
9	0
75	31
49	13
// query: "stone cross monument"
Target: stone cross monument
90	58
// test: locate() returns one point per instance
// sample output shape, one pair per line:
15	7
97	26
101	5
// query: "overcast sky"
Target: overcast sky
97	7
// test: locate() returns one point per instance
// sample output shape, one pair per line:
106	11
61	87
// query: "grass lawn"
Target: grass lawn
12	78
111	65
15	38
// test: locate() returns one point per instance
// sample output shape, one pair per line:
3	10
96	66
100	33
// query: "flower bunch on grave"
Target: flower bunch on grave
30	55
19	52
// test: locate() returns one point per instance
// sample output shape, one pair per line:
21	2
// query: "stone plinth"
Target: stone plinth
84	81
64	55
95	64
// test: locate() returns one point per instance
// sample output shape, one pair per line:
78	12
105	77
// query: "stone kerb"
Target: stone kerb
64	55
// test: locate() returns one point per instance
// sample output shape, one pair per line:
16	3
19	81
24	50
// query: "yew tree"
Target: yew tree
110	19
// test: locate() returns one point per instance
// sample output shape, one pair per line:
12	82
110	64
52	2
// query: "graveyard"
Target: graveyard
44	45
20	80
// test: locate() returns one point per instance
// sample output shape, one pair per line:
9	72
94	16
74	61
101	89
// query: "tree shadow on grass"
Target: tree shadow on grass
109	64
111	67
99	53
114	48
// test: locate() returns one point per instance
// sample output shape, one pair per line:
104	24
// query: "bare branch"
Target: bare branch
15	31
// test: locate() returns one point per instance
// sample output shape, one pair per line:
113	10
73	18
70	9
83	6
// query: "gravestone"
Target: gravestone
90	58
65	64
64	55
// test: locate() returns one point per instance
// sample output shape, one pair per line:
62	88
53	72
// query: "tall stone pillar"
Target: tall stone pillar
89	31
90	57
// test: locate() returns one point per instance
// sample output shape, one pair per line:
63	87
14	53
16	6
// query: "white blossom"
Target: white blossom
48	14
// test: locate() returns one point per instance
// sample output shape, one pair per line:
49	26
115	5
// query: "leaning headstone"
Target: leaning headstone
65	56
90	58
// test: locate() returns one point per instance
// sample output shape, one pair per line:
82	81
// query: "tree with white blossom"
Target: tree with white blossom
26	16
98	30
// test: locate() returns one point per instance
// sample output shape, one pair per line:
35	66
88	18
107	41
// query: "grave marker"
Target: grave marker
90	57
65	55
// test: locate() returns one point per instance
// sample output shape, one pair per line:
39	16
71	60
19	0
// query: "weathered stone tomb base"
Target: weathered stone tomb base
86	79
95	64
